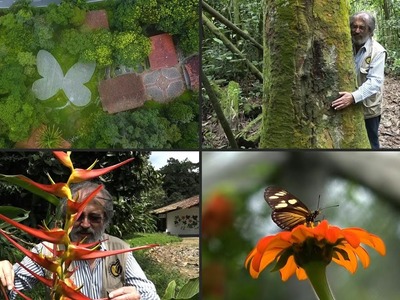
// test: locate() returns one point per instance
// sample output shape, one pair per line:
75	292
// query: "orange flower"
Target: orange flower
217	216
293	250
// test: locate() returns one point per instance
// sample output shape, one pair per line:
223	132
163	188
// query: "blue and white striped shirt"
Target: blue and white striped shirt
90	280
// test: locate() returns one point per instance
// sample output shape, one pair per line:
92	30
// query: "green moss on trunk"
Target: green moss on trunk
307	61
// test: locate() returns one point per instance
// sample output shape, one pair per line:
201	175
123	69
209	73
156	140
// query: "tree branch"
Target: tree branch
230	25
220	115
231	47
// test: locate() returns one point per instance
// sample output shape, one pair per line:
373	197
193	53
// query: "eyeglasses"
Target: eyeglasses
92	218
355	27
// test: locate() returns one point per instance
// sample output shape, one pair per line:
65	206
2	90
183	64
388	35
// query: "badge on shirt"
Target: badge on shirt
368	60
115	268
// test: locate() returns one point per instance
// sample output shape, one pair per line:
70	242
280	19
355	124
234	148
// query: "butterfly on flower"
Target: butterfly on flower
53	79
287	210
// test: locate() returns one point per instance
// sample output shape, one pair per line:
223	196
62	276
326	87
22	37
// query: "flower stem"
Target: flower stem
316	272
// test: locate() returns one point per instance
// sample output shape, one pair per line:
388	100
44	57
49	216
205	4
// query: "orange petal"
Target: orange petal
333	234
301	274
277	243
351	237
301	233
375	242
289	269
363	256
351	263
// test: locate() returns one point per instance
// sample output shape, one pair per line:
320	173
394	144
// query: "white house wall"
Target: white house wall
184	221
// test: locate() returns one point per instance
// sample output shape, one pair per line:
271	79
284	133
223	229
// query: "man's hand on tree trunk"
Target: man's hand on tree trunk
343	101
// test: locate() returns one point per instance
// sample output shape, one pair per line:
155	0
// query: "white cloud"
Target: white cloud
159	158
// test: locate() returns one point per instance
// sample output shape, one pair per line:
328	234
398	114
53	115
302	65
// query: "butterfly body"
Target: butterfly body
287	210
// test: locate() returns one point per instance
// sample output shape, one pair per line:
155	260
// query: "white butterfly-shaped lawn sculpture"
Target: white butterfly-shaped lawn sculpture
53	79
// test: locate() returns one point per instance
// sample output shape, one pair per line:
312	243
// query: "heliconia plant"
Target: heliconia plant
63	251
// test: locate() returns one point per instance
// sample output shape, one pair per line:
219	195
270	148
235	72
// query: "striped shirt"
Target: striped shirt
376	72
89	279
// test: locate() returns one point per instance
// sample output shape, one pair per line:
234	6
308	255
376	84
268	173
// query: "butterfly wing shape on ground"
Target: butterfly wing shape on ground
287	210
73	84
52	74
53	79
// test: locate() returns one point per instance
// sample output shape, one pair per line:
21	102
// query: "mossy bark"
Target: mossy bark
307	61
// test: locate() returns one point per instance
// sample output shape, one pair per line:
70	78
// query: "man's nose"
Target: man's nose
85	222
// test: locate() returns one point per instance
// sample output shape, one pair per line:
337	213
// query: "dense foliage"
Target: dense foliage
156	125
181	180
61	30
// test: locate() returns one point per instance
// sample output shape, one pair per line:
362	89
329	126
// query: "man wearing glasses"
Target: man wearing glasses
117	277
369	58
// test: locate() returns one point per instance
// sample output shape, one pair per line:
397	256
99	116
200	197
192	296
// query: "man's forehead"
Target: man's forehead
94	207
359	20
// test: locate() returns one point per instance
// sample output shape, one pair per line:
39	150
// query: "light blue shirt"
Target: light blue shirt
375	75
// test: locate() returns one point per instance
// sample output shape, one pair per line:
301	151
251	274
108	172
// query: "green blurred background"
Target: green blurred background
366	185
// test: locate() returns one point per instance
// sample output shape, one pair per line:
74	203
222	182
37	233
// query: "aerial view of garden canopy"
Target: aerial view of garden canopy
99	74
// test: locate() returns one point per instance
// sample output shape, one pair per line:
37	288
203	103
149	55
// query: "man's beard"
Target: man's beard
86	235
357	40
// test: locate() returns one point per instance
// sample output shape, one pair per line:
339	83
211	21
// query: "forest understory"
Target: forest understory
389	131
214	137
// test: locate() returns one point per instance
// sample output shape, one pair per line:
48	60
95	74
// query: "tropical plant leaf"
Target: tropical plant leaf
190	289
16	179
15	213
170	291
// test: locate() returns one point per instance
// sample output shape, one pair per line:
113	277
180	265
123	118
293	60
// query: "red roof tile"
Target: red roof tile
187	203
96	19
163	52
122	93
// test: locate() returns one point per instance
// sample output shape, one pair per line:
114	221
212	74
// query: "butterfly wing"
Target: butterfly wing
73	84
52	74
287	210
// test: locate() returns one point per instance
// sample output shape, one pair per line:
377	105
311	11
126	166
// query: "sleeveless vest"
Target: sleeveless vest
114	267
372	105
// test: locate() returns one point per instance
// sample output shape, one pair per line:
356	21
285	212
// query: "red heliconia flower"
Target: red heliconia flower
65	288
75	207
61	189
55	236
64	158
79	175
51	264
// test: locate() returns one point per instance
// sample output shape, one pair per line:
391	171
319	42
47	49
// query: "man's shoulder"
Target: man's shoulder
377	46
113	241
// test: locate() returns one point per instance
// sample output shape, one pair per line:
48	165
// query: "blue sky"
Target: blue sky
159	158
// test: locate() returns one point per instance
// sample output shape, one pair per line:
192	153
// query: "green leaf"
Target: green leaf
170	291
190	289
15	213
17	181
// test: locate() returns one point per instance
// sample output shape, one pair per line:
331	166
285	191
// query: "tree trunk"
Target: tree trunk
307	62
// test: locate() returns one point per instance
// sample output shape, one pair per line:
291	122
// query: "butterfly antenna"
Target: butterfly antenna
337	205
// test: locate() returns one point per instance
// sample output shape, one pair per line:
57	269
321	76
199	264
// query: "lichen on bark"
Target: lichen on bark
307	61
